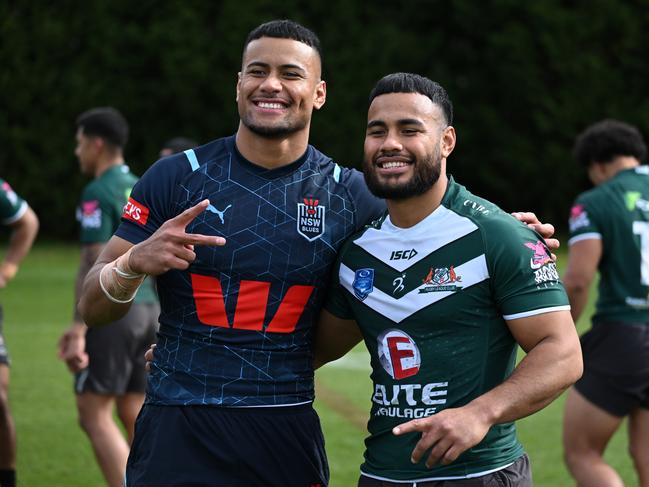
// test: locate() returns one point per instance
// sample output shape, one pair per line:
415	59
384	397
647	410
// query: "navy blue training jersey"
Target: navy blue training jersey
236	328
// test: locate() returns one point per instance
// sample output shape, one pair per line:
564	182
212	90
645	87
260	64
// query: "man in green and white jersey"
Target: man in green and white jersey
23	223
108	362
609	232
443	288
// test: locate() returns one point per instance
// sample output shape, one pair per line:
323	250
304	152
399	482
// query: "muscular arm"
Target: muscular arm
23	233
94	307
170	247
552	363
334	338
583	260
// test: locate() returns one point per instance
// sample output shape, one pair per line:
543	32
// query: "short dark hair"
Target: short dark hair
414	83
285	29
179	144
605	140
106	123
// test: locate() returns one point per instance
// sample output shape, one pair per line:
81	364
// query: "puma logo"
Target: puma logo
218	213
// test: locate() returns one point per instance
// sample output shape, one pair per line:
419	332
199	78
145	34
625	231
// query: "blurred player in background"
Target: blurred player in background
175	145
609	233
16	214
107	361
443	289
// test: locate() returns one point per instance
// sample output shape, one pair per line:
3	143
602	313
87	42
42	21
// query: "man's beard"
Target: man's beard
426	174
279	131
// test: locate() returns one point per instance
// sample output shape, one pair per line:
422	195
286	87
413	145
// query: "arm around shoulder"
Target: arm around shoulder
334	338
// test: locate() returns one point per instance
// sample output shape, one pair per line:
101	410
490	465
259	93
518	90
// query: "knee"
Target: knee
639	452
576	456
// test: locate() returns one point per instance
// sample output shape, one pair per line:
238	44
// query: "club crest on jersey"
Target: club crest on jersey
89	214
310	219
398	354
540	257
441	279
10	193
363	283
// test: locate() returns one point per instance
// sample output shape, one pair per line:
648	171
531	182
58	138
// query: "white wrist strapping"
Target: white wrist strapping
118	282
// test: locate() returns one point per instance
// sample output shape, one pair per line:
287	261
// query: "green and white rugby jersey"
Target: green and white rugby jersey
431	301
617	212
100	212
12	206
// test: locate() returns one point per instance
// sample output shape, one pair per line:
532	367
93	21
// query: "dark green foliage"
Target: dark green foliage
525	78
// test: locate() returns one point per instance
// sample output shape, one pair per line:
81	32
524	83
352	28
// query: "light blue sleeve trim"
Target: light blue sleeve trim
337	172
191	156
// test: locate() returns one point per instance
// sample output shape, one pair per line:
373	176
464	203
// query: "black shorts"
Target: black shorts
518	474
116	353
210	446
4	354
616	367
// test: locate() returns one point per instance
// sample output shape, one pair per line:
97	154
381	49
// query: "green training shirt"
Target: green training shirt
12	206
100	212
617	213
431	301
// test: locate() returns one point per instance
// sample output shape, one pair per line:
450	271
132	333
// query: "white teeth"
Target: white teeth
391	164
274	106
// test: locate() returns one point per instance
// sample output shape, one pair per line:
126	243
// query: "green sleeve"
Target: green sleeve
524	278
95	216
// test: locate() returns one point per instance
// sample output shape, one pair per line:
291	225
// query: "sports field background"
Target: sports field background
53	451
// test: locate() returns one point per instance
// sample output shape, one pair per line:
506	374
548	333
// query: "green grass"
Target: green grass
53	452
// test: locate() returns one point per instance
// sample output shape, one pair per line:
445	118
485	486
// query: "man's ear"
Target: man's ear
447	142
320	95
238	86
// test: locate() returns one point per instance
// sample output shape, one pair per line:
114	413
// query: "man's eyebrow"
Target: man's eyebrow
375	123
410	121
261	64
402	121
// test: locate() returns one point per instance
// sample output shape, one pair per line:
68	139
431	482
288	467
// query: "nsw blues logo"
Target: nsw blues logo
310	219
363	283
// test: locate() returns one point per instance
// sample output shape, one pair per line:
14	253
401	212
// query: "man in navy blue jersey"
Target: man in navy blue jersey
242	233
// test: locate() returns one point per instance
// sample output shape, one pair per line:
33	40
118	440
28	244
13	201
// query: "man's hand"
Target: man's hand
546	230
72	347
449	433
7	272
148	356
170	247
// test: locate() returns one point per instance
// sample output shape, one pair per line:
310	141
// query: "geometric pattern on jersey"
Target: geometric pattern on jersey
435	328
617	213
236	327
12	206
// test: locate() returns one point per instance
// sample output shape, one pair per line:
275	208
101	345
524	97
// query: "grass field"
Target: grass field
53	452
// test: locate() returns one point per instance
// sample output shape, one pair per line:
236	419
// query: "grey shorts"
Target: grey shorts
116	353
518	474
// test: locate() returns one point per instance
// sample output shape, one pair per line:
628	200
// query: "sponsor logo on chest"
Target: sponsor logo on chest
400	357
310	219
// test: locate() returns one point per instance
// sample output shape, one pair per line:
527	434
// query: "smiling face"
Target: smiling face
406	140
279	86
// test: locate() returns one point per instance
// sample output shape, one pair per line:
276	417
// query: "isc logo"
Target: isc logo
403	254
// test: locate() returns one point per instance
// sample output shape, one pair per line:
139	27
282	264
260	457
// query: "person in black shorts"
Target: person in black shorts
609	233
107	362
16	214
